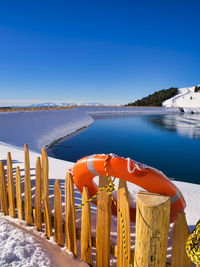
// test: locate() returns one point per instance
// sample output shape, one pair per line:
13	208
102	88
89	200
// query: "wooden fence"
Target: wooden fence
152	218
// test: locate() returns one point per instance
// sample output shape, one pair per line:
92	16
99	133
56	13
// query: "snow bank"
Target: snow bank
186	98
20	249
40	128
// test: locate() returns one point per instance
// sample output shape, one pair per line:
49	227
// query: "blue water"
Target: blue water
170	143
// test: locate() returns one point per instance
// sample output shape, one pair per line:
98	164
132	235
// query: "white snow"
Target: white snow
43	127
40	128
20	249
186	98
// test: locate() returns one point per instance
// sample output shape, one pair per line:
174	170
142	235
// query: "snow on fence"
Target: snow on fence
152	218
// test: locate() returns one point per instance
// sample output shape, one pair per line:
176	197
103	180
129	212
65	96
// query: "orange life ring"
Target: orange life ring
144	176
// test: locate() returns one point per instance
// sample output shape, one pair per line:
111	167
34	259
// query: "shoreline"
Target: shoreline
49	147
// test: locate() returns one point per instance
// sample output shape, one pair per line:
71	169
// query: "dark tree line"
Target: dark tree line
197	89
156	98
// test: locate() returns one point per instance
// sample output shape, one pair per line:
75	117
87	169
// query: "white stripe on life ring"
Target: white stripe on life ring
91	166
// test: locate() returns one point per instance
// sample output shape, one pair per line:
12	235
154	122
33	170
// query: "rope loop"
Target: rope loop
110	188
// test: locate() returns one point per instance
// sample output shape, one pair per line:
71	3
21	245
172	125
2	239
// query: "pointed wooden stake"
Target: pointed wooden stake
45	193
179	238
70	222
19	194
58	219
86	234
38	196
3	190
103	226
11	192
27	188
123	204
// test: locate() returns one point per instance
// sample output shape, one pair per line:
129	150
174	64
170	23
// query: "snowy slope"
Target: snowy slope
186	98
40	128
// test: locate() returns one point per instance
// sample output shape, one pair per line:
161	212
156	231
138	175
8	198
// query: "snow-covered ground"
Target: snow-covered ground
186	98
23	245
43	127
40	128
20	249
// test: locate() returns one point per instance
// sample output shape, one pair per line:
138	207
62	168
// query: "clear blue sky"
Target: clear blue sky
96	51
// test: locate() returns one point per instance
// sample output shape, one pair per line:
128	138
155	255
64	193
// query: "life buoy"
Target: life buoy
144	176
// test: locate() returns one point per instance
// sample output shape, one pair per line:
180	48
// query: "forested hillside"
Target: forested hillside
156	98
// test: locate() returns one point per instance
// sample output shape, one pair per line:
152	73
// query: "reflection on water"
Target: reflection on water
170	142
183	124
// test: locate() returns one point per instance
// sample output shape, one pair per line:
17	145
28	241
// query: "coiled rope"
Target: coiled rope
193	244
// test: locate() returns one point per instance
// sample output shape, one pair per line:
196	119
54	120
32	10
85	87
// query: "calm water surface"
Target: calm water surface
170	143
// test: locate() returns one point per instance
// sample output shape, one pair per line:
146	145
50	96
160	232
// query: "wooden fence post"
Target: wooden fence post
86	235
3	190
38	196
11	192
103	226
70	221
19	194
179	238
152	227
123	204
58	219
45	193
27	188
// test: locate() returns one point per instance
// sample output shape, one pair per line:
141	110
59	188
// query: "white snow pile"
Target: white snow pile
20	249
186	98
40	128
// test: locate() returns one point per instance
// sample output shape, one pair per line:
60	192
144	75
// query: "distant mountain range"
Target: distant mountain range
52	104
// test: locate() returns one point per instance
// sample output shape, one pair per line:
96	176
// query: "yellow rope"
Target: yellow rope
110	190
110	187
192	245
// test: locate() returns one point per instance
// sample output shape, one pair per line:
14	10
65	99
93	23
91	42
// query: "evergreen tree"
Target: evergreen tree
156	98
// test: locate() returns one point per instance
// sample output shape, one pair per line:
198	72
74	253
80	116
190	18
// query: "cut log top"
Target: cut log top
147	199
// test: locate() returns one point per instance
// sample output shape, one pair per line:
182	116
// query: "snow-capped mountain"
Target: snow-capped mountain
52	104
63	104
186	98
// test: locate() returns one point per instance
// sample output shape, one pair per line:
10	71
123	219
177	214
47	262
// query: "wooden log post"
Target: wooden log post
11	191
123	204
58	219
3	190
152	227
19	194
86	234
179	238
70	221
103	226
45	193
38	195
